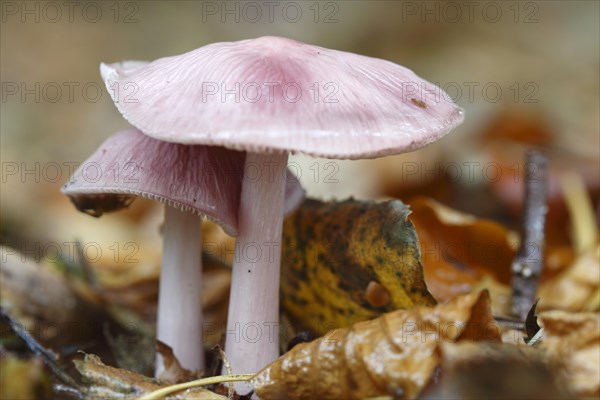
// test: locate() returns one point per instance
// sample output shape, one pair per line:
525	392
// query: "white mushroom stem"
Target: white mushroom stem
252	336
179	322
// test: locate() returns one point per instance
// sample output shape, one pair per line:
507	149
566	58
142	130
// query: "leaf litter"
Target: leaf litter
356	350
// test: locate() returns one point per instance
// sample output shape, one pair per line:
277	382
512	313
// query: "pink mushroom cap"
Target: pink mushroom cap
276	94
203	180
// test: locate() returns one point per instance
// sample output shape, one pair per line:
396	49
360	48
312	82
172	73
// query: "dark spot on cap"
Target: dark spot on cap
418	103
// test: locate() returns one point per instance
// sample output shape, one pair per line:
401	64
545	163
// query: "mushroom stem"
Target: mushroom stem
252	337
179	322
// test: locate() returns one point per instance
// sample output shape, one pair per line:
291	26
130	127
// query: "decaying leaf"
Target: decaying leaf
132	347
572	340
574	288
344	262
394	354
113	383
173	371
458	250
482	370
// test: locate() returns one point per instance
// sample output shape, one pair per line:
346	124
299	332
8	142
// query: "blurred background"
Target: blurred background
526	74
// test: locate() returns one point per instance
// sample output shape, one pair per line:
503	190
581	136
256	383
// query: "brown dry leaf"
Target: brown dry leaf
499	293
394	354
173	372
572	341
113	383
458	250
576	287
481	370
23	379
344	262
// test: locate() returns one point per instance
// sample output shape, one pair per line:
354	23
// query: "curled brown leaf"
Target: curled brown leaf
394	354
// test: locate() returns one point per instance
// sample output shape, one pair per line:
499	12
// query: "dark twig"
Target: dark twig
37	349
527	265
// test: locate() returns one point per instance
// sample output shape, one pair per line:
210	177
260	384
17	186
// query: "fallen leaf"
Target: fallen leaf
572	341
344	262
113	383
394	354
483	370
575	287
173	371
499	293
134	347
458	249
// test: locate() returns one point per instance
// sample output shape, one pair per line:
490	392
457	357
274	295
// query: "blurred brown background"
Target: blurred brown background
525	72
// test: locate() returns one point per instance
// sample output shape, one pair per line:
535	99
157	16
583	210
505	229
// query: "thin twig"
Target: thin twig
527	265
37	349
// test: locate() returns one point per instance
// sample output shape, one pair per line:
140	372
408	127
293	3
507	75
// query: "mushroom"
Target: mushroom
273	96
191	181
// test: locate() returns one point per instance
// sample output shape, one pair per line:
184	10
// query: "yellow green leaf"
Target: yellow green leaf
349	261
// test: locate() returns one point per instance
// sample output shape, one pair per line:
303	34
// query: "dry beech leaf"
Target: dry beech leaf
458	250
108	382
394	354
572	341
349	261
575	287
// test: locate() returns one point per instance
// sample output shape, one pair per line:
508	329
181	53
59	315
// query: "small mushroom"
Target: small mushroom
273	96
191	181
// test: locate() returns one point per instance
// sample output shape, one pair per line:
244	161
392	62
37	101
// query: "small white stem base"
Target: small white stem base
252	336
179	322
